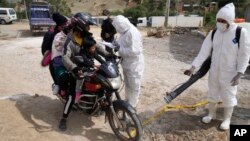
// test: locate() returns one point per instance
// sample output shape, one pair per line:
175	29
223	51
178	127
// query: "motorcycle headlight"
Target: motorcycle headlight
115	82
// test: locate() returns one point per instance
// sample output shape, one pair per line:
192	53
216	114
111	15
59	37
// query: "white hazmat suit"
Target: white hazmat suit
130	50
228	59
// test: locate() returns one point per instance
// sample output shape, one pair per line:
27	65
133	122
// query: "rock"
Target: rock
151	32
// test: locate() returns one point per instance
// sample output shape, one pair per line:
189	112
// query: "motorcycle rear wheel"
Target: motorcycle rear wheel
131	126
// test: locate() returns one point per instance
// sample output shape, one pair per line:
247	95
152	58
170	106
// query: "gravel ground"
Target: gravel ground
30	112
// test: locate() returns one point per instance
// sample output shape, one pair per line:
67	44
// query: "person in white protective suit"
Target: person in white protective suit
228	64
130	49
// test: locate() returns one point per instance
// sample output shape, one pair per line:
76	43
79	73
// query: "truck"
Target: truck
40	17
142	21
7	15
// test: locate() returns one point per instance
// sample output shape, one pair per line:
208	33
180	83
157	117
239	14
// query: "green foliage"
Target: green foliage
3	3
156	13
210	19
135	12
61	7
147	8
115	13
21	15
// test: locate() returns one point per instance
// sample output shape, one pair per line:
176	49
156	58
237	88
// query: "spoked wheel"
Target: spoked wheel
125	122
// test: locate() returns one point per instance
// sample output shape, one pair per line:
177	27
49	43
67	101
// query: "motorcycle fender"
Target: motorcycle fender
122	103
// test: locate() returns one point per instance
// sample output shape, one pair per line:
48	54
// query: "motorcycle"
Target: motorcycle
100	93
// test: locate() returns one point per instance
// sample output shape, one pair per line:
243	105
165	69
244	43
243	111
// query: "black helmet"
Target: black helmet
87	18
81	21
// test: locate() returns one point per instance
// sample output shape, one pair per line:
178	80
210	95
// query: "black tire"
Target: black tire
2	21
133	129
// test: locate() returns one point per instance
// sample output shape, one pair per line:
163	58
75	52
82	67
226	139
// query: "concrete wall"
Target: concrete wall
183	21
156	21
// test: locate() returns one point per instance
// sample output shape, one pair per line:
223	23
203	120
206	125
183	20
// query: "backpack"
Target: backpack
237	35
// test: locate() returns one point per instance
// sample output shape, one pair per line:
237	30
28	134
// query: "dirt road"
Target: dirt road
30	112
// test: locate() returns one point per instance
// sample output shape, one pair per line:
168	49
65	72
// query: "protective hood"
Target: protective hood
121	24
227	13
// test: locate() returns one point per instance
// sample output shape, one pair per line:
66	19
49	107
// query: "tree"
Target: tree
135	12
3	3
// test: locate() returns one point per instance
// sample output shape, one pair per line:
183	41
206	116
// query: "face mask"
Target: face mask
221	26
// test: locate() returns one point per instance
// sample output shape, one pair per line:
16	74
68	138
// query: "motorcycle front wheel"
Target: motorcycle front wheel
125	122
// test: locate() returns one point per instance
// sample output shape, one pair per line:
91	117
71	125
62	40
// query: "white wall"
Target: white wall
182	21
156	21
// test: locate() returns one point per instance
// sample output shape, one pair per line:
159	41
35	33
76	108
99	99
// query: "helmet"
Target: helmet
81	22
87	18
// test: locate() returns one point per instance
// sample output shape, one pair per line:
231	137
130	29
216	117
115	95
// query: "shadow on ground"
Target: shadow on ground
28	33
185	47
184	124
49	111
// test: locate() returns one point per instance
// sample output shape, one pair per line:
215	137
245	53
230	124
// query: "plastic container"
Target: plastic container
239	20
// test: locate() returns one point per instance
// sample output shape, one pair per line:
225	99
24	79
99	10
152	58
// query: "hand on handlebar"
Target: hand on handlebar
97	67
78	72
116	46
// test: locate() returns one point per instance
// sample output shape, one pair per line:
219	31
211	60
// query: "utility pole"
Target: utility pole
26	10
167	13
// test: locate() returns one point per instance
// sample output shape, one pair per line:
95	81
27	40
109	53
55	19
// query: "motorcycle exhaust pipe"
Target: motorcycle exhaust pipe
199	74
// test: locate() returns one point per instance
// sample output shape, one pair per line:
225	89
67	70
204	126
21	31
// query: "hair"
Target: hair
88	42
105	12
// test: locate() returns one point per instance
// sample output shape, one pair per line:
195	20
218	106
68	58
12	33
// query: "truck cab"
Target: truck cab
7	15
40	17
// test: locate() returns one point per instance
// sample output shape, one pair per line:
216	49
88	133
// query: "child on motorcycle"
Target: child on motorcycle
57	51
88	55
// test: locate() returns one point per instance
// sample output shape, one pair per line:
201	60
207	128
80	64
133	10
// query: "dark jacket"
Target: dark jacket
72	49
88	59
107	27
48	39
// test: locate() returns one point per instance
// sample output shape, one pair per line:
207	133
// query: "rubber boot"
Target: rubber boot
227	118
211	113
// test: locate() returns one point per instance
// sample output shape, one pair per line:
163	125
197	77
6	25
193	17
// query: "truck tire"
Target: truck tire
2	21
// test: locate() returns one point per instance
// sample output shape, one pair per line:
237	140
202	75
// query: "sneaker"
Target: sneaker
55	89
62	125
